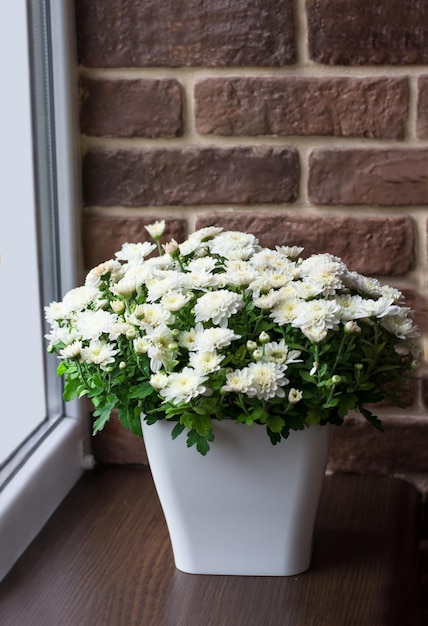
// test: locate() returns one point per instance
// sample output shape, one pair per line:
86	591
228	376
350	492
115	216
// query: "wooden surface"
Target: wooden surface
104	559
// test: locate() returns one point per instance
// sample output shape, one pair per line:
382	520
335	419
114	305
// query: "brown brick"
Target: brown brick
370	245
422	120
419	303
104	235
358	447
425	388
176	33
343	107
363	32
369	177
130	108
193	176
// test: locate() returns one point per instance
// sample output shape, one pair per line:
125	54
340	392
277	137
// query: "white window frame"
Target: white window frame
53	459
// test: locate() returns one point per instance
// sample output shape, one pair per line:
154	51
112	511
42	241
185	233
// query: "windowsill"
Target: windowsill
104	558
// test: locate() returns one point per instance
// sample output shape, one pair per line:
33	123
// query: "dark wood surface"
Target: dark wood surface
104	559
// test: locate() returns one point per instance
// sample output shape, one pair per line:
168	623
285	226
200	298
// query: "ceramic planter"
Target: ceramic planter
247	507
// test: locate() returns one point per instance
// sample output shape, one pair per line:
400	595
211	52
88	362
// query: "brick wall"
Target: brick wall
304	122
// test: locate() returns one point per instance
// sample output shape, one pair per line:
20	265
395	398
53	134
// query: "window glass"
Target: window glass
22	369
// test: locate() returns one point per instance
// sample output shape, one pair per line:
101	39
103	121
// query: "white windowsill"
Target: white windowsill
33	494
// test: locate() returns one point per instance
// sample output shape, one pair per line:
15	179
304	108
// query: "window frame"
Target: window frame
52	459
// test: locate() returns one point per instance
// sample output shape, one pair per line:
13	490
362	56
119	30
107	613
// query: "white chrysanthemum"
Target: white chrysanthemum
197	241
285	311
61	335
205	233
174	300
238	381
267	259
187	339
307	290
316	317
234	245
113	267
267	380
205	362
99	352
199	279
238	272
183	386
352	307
72	351
159	285
159	380
189	247
380	307
202	264
160	339
141	345
391	293
218	306
278	352
79	298
267	300
291	252
134	253
269	279
132	280
401	325
57	311
363	284
93	324
326	260
213	338
160	263
323	271
152	314
156	229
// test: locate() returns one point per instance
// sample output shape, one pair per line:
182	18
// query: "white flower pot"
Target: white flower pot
247	507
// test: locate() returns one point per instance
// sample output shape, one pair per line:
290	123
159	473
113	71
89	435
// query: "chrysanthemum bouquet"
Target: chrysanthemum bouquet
218	327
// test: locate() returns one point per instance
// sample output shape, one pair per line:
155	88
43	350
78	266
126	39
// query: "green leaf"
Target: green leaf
177	430
103	413
71	389
201	442
371	418
62	368
346	403
141	391
275	423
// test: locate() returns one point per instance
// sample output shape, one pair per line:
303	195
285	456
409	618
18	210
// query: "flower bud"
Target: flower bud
251	345
170	247
257	354
294	396
336	379
264	337
172	347
315	366
156	230
352	327
358	366
122	365
117	306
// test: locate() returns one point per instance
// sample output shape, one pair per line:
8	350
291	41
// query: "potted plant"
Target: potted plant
218	339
